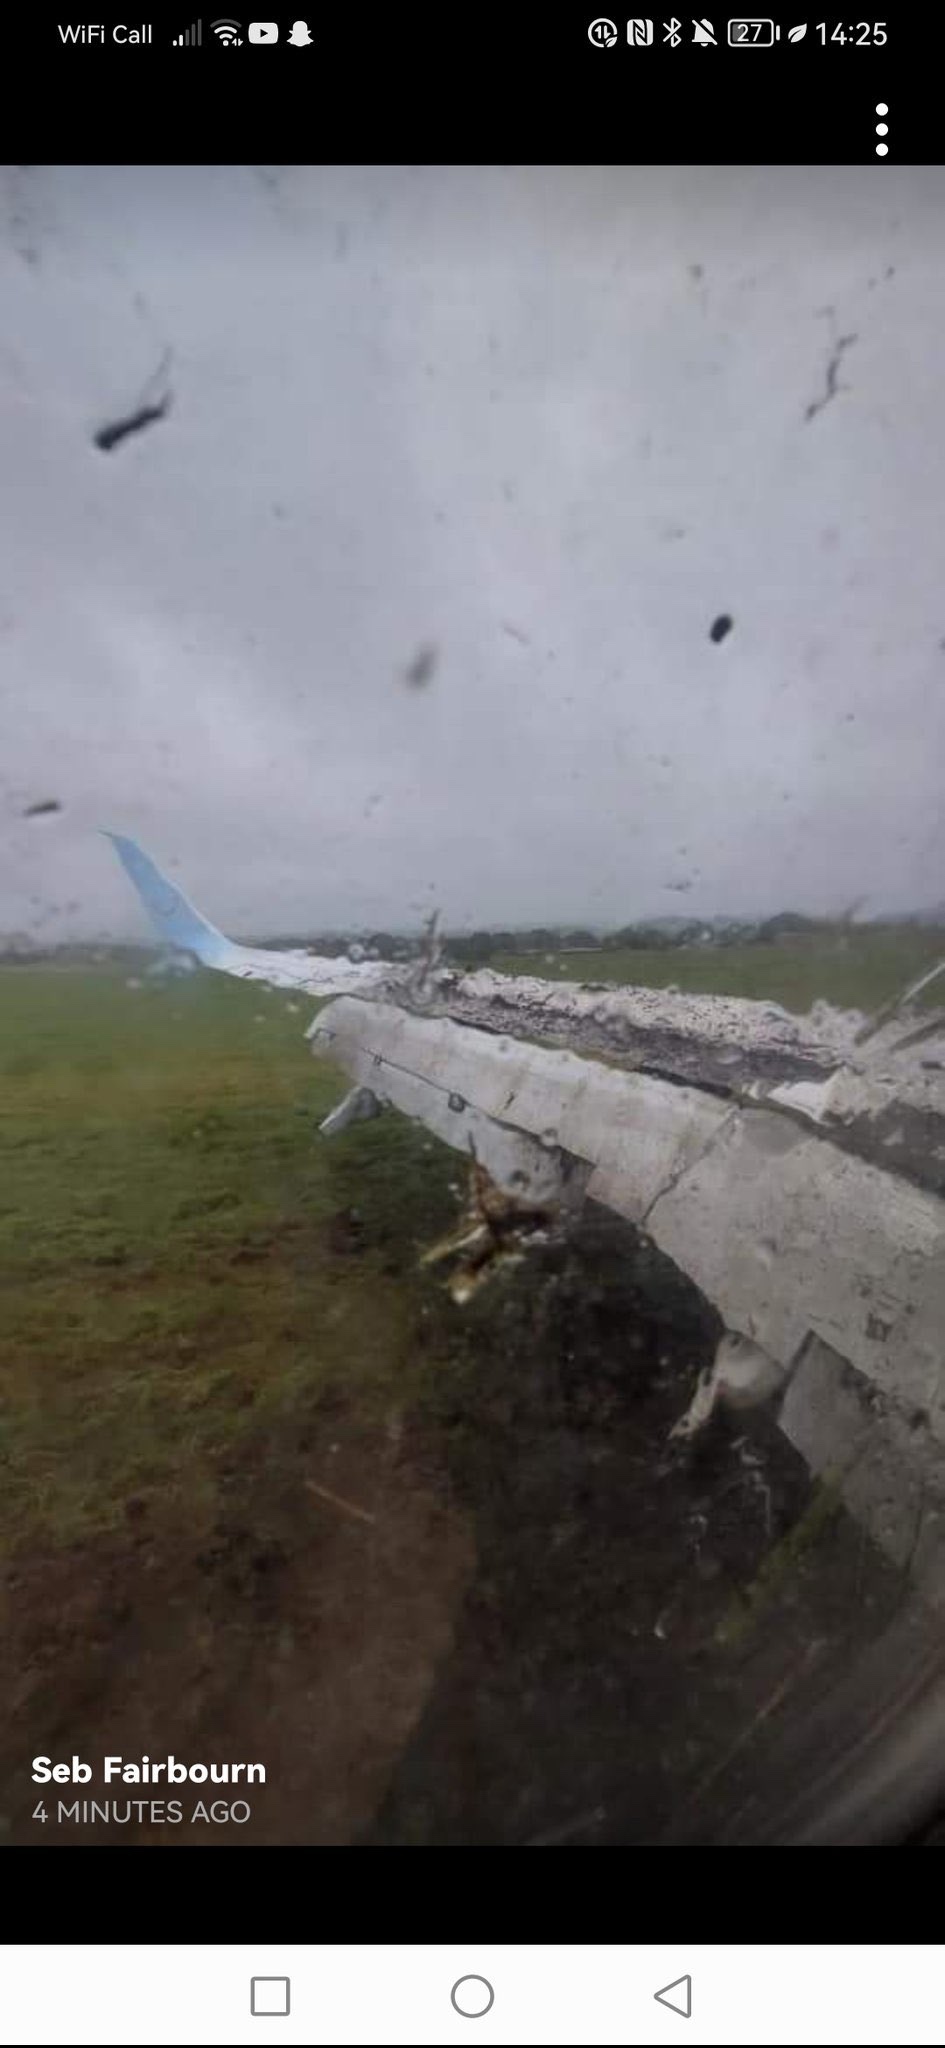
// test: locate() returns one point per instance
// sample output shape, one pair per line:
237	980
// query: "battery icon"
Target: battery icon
752	33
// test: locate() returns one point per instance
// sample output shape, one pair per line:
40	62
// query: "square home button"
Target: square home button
269	1995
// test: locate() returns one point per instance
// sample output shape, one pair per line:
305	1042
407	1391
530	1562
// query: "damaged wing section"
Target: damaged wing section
496	1230
781	1230
792	1167
828	1270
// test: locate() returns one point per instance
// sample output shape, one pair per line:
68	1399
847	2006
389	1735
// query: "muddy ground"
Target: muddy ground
511	1616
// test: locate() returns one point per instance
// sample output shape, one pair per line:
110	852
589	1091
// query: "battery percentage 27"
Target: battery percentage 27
751	33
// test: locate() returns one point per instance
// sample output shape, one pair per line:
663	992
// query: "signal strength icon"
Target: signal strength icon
189	38
227	32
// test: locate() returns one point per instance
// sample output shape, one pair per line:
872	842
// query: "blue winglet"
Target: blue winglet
175	920
178	924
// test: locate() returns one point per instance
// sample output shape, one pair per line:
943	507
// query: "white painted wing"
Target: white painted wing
785	1233
827	1268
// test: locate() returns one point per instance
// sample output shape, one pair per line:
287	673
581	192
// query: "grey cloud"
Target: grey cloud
476	423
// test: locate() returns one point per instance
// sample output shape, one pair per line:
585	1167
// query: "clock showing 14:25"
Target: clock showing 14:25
855	32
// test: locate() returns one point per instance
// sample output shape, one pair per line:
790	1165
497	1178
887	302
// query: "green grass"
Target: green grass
173	1284
169	1283
856	970
783	1563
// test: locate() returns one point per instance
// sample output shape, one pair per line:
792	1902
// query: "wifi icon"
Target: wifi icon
228	32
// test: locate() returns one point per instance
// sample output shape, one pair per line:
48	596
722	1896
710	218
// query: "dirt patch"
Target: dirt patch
302	1628
512	1615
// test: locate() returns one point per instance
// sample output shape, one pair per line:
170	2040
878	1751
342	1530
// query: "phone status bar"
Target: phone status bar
742	32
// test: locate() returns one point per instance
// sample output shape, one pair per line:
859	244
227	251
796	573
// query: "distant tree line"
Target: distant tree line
660	934
543	943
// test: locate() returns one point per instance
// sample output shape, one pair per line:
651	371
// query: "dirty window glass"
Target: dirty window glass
471	1004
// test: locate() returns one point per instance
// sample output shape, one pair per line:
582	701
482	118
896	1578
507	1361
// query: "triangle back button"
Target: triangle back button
678	1996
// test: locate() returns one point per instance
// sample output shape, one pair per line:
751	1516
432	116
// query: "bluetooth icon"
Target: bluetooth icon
673	35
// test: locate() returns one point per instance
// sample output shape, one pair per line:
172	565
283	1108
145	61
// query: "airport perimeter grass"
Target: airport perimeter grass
858	969
175	1270
175	1239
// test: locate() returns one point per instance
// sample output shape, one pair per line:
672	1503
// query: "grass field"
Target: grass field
856	970
173	1233
173	1240
251	1455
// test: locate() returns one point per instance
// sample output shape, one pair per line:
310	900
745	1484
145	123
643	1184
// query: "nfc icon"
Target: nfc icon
639	32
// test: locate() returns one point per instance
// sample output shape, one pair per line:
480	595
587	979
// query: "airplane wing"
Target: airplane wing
802	1194
826	1267
178	924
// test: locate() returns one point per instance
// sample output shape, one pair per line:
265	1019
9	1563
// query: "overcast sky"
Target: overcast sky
547	423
